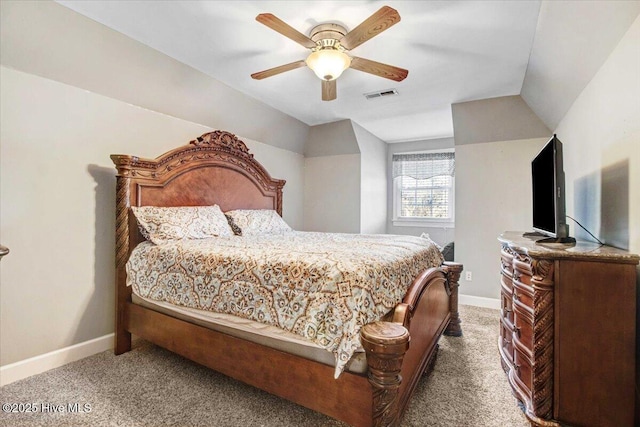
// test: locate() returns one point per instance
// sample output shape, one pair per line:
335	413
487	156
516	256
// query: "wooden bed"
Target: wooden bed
217	168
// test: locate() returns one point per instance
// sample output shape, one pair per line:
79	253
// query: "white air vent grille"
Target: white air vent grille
380	94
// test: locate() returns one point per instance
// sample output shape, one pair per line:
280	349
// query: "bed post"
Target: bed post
122	336
385	344
453	271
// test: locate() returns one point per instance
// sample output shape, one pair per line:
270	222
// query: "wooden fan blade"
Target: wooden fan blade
285	29
379	69
371	27
277	70
329	90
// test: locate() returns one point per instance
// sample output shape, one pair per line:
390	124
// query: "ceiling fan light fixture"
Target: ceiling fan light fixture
328	42
328	64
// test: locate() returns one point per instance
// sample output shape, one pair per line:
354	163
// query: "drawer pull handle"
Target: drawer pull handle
505	312
516	330
517	368
515	297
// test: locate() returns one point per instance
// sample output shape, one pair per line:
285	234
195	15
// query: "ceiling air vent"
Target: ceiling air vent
380	94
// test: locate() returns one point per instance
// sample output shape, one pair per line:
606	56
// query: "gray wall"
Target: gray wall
331	139
493	183
573	40
49	40
507	118
601	141
440	235
373	181
493	195
72	93
332	193
345	179
332	179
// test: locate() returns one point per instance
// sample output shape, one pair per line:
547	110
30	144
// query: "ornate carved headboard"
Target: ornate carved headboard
215	168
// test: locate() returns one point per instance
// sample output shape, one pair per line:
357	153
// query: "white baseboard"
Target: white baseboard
479	301
38	364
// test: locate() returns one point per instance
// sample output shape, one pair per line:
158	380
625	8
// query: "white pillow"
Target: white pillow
163	224
258	221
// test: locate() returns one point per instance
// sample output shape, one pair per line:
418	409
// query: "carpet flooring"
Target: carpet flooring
151	387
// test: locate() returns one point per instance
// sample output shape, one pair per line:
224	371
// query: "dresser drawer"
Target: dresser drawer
523	372
506	263
523	296
506	283
506	307
522	267
523	329
506	342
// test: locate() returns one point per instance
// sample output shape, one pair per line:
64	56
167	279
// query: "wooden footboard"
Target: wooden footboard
398	353
429	309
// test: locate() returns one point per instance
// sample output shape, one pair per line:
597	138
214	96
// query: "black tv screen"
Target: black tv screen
547	176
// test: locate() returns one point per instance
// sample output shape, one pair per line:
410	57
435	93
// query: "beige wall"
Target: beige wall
57	209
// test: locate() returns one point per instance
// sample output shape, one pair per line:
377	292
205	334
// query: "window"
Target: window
423	187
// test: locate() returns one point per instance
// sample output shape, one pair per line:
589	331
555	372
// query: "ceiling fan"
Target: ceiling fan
328	43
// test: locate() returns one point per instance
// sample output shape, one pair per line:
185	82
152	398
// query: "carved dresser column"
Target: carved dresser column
543	320
386	344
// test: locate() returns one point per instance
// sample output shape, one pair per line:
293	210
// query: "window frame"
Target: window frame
400	221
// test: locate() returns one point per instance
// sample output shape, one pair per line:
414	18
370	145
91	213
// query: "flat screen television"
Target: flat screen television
547	178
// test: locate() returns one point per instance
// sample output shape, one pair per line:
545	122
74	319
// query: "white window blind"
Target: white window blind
423	185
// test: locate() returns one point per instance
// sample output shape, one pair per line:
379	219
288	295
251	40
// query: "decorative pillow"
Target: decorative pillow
448	251
234	227
163	224
258	221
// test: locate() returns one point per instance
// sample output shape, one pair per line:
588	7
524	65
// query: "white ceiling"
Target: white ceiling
454	50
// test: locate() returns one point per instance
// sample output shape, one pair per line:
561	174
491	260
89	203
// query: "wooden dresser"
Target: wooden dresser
568	331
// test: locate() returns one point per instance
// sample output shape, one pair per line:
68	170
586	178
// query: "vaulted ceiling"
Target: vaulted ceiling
455	51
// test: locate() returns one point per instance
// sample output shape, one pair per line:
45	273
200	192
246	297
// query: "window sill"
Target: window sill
423	223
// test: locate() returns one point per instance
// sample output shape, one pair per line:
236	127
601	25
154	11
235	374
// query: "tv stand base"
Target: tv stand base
542	239
557	240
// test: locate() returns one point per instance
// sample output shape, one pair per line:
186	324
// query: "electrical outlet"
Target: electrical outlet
468	276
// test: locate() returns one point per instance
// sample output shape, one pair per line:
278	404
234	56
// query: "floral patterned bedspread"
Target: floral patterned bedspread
322	286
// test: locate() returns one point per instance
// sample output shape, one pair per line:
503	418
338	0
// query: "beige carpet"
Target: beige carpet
150	386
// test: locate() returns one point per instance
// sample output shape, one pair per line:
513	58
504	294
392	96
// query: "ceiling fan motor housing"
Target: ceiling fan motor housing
327	35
